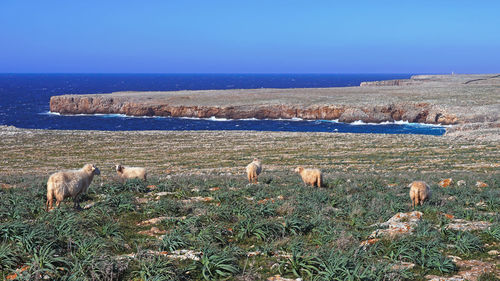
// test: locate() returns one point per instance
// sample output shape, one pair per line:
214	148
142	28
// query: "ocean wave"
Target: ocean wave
219	119
103	115
398	122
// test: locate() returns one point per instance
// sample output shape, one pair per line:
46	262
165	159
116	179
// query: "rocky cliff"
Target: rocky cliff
435	99
412	112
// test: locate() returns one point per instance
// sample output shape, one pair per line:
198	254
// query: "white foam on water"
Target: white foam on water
398	122
213	118
104	115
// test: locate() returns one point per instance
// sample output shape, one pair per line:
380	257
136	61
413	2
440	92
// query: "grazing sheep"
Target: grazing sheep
310	177
131	172
69	183
253	170
419	192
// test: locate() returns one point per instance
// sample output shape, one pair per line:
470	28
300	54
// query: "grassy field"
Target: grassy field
228	229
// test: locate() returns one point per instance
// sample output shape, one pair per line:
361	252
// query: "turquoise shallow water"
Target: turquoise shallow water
25	99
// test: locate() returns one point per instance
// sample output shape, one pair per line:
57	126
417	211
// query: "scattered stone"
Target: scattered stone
446	182
152	187
461	183
278	277
493	253
197	199
401	223
481	204
451	198
252	254
403	265
183	255
214	188
90	205
249	198
493	244
177	254
468	270
6	186
464	225
282	254
160	194
455	259
437	278
392	185
448	216
13	276
159	219
369	242
480	184
195	189
140	200
153	232
265	200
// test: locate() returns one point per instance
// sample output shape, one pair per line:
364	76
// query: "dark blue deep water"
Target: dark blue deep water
24	101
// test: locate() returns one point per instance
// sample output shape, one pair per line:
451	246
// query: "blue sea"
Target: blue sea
24	101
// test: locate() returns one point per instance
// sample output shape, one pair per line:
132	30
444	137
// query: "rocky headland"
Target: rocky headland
433	99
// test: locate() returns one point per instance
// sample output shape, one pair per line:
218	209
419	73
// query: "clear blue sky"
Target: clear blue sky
210	36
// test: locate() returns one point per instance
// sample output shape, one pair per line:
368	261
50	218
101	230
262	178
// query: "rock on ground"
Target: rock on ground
401	223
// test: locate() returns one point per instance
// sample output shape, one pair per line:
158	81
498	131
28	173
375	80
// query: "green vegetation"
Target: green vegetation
292	230
228	229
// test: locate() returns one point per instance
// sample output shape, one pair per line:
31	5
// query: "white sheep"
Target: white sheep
253	170
419	192
126	173
70	183
310	177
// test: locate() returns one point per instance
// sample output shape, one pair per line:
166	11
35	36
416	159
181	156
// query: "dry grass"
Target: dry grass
41	152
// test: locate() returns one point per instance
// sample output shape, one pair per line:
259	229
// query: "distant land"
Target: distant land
470	101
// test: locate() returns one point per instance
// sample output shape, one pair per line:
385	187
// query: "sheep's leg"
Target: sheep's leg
76	203
57	203
49	204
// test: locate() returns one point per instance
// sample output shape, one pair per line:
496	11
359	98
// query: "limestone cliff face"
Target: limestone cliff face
412	112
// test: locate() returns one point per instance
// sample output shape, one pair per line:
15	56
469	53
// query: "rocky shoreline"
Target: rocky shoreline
416	113
432	99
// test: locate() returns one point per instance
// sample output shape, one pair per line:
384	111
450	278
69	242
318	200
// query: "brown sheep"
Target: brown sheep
69	183
126	173
253	170
310	177
419	192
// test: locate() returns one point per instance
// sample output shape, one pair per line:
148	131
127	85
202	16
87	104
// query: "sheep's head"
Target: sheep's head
91	168
256	159
119	168
299	169
95	170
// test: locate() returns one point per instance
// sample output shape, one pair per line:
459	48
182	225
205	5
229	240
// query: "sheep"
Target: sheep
131	172
310	177
419	192
253	170
70	183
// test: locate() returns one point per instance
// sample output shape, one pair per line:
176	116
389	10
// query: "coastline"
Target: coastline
213	118
431	99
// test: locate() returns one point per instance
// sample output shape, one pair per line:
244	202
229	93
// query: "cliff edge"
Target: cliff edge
434	99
